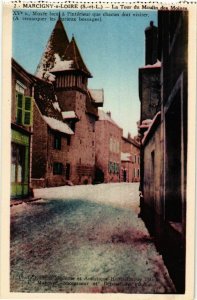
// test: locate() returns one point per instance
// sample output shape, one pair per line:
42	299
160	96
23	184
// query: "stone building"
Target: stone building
164	146
50	139
108	149
21	130
130	160
63	65
149	76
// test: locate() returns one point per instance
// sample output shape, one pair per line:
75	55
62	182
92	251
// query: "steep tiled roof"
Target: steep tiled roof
48	105
72	53
59	39
57	44
45	98
58	125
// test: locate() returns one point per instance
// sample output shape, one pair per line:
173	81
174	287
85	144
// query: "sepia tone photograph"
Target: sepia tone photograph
99	150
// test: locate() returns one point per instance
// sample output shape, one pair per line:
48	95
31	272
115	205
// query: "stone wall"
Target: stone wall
149	86
81	151
39	147
107	135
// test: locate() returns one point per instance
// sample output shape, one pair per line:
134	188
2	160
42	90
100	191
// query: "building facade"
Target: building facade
164	148
130	160
63	66
21	130
50	139
108	149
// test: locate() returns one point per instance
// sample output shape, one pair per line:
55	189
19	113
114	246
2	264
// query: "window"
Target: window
138	173
116	168
113	168
57	142
57	168
24	109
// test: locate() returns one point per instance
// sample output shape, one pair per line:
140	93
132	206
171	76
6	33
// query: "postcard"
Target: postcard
98	156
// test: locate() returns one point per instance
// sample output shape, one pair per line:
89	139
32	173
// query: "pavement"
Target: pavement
22	200
85	239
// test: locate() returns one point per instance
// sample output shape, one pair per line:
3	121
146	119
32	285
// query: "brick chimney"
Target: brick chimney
109	113
151	37
129	136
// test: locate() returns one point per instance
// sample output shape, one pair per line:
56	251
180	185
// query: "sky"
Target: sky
113	49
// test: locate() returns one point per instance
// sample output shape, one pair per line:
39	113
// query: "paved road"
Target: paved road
85	239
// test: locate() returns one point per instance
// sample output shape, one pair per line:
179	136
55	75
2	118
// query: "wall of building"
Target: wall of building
164	153
149	86
45	155
56	156
39	149
152	171
81	151
20	76
108	150
20	137
132	168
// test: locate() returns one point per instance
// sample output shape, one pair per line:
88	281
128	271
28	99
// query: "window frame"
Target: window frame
57	141
24	110
57	168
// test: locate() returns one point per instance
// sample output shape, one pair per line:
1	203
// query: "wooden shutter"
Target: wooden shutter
27	111
19	109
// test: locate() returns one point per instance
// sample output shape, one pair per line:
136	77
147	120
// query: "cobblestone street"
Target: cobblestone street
85	239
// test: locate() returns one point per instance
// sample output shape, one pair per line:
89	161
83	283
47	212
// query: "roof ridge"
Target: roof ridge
75	55
72	52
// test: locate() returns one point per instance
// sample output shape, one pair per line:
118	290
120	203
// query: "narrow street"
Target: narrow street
85	239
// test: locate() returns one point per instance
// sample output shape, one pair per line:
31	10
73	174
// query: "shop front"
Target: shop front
20	146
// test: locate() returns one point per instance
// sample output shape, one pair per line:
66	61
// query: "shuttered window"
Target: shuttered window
24	110
27	116
19	112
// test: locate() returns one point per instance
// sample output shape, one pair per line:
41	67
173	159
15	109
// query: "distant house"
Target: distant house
108	149
63	65
130	160
21	130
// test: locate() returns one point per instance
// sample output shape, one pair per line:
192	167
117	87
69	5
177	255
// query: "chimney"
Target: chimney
109	113
151	37
129	136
